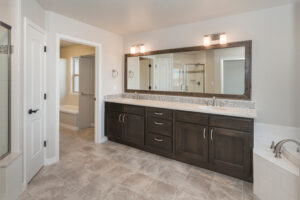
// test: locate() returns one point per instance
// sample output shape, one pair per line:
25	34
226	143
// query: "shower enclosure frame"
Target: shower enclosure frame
8	27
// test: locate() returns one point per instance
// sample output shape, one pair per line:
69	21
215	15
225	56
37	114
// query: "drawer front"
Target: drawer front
137	110
160	113
160	126
114	107
190	117
159	142
235	123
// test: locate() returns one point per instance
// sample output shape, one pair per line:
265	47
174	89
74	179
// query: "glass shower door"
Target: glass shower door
4	89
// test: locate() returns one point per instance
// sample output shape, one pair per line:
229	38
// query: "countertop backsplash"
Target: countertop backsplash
194	100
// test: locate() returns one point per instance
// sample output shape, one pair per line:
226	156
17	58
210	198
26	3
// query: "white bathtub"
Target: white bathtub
274	178
69	117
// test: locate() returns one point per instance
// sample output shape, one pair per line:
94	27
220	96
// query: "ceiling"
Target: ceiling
130	16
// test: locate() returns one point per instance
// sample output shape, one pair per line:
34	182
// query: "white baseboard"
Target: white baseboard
50	161
73	128
102	140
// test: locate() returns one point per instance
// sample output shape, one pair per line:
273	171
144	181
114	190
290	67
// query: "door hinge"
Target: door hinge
149	65
45	48
45	96
149	87
45	143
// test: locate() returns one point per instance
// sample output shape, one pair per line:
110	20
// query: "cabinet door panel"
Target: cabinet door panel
191	141
230	151
134	129
113	124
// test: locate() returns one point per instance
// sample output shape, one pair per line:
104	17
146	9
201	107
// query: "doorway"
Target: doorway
77	92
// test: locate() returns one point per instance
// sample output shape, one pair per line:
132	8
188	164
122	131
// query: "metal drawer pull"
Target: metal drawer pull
211	134
123	119
204	133
158	123
120	117
158	113
158	140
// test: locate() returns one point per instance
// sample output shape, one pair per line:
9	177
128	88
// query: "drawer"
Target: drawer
236	123
138	110
159	142
191	117
160	126
114	107
160	113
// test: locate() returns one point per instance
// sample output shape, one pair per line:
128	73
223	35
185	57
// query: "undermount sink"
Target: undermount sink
212	107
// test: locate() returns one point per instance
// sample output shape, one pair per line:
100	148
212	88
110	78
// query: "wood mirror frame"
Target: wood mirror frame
248	62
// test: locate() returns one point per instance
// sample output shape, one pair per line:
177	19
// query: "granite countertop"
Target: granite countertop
228	111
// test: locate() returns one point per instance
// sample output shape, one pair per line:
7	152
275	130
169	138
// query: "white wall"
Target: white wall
112	58
271	30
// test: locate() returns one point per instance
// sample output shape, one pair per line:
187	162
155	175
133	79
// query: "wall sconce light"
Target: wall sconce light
139	48
206	40
222	37
132	50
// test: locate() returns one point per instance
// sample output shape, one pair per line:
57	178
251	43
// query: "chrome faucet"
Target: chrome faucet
278	147
214	101
136	95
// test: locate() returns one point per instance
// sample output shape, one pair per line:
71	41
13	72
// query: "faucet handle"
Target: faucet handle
272	145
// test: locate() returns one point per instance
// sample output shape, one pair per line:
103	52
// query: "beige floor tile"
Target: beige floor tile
159	190
113	171
118	173
138	182
223	192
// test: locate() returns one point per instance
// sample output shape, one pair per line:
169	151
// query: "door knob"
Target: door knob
30	111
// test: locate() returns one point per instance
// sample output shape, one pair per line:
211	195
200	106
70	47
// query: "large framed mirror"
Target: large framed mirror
222	71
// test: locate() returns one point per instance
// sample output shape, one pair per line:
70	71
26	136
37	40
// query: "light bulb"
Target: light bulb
206	41
142	49
132	50
223	39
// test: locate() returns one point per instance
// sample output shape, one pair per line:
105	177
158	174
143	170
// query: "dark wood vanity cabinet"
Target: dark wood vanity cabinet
191	142
219	143
125	123
229	152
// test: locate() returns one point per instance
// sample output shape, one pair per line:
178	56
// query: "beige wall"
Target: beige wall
67	53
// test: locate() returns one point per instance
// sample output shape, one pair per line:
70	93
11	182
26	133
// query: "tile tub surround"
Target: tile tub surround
192	107
112	171
190	100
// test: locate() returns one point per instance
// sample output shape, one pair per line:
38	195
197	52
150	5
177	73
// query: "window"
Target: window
75	74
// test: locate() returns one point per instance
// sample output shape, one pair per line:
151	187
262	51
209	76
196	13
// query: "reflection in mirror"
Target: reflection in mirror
214	71
4	89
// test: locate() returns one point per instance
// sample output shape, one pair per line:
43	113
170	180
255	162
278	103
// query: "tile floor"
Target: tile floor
112	171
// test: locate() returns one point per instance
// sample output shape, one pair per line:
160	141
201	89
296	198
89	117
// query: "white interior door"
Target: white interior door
86	91
34	101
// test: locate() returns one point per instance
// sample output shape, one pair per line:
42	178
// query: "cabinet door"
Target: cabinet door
134	129
191	141
229	152
114	125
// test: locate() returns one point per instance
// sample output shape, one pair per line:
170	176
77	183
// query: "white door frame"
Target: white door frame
27	23
222	69
99	105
